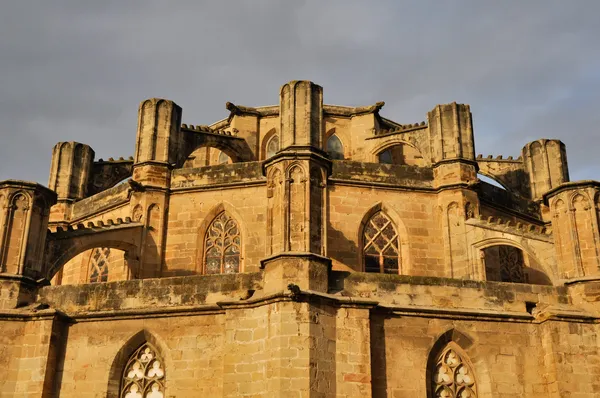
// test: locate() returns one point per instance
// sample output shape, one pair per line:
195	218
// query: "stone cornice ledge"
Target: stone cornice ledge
293	293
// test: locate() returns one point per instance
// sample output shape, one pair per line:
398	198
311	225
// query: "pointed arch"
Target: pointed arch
125	354
454	367
272	146
365	235
397	151
536	272
335	147
271	134
15	234
212	215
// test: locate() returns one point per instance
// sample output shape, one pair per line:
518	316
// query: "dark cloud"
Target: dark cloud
74	70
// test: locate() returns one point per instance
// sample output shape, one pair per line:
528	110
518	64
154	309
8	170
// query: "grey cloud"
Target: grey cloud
75	70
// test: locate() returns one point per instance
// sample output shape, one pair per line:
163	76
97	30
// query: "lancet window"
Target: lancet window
222	246
452	376
335	148
380	245
272	146
99	265
144	374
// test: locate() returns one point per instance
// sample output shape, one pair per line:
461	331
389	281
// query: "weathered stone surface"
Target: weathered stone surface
301	250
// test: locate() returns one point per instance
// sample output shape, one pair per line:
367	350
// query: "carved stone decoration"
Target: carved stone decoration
469	211
453	377
274	212
511	264
297	212
144	374
380	240
222	246
137	213
16	233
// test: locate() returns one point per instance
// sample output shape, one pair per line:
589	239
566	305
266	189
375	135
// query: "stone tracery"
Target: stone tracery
144	374
453	377
380	240
99	265
222	246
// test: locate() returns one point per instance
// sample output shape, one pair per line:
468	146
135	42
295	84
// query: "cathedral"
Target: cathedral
301	250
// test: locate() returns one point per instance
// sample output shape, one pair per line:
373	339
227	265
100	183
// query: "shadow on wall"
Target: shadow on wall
378	357
342	250
537	277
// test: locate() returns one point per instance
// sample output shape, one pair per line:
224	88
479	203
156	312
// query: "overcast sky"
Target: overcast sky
77	70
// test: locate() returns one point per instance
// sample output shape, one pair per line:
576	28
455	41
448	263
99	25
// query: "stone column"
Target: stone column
452	145
159	146
546	165
296	192
575	212
24	213
70	173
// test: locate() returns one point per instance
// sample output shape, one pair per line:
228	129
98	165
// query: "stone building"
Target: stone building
301	250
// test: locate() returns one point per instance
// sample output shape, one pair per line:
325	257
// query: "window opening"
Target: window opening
144	374
99	265
222	246
335	148
453	377
272	146
380	249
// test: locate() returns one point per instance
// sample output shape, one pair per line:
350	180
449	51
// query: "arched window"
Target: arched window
223	158
144	374
380	245
222	246
98	269
504	263
452	376
272	146
335	148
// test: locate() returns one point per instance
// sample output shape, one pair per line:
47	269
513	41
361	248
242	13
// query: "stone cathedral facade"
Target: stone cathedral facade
301	250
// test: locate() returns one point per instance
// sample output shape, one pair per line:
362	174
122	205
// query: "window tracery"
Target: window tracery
222	246
452	376
99	265
380	250
504	263
511	264
335	148
144	374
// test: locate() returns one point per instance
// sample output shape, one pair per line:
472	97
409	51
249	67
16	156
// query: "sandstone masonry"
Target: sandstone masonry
301	250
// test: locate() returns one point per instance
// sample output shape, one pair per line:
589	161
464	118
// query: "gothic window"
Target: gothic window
144	374
380	240
272	146
386	157
452	376
335	148
222	246
504	263
223	158
99	265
